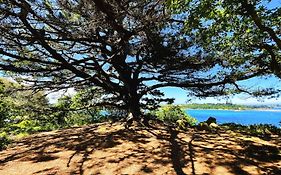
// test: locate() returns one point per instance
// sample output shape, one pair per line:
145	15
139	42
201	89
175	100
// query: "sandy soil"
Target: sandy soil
110	149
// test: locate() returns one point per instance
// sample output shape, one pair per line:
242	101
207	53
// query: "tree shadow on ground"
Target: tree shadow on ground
110	149
237	154
181	152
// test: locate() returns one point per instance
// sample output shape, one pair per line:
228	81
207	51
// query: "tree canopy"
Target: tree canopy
243	31
126	49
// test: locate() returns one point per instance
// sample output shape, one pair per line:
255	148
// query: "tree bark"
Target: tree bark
134	112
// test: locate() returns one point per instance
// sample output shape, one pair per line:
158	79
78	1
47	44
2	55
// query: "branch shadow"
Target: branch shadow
238	155
176	152
145	150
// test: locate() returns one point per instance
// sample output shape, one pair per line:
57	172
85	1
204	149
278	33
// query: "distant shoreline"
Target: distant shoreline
259	109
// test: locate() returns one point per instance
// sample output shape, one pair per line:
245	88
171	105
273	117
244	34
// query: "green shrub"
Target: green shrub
4	140
49	126
263	129
257	129
25	126
175	115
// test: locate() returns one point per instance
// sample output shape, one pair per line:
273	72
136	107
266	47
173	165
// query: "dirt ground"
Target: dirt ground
110	149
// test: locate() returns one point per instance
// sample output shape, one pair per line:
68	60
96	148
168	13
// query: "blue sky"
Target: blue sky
181	97
271	4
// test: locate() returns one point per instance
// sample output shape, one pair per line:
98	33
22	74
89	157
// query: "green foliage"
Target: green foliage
21	113
77	110
6	102
20	110
17	102
26	126
172	114
240	31
25	112
4	140
256	130
62	108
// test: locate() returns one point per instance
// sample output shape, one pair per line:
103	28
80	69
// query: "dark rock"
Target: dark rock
211	120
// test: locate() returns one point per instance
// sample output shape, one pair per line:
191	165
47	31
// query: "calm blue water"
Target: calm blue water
245	117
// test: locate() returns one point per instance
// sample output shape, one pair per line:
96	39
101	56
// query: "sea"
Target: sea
244	117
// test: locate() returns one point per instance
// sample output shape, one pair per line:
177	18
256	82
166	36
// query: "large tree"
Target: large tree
126	49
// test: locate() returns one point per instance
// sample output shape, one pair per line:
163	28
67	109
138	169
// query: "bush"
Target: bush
264	129
175	115
256	130
28	126
4	140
